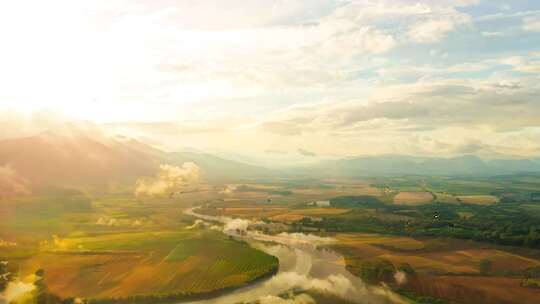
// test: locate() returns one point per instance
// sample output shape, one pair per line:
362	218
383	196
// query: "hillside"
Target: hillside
83	160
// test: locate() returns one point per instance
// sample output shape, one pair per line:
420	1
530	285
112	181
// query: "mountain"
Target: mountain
387	165
80	159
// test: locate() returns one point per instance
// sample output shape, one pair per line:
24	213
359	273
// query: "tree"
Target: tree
376	271
485	266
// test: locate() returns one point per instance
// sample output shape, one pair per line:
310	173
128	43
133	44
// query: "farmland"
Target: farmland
153	263
436	230
129	250
413	198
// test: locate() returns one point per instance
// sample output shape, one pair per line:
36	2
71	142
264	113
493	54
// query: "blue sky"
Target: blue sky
333	77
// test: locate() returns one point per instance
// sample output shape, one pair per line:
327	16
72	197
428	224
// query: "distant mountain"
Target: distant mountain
80	159
89	159
387	165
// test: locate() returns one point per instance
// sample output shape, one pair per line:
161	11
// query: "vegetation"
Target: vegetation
373	271
485	266
504	223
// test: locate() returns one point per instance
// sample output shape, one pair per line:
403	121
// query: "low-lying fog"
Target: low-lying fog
302	265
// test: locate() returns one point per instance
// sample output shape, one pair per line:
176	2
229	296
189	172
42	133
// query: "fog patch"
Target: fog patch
236	226
16	290
228	190
11	183
300	299
112	222
4	243
169	180
305	152
400	277
198	224
303	267
306	238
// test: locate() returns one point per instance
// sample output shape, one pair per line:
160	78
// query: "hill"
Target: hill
81	159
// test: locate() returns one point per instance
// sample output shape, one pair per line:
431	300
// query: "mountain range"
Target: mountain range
387	165
81	159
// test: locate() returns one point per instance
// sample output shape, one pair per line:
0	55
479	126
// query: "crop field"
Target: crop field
298	214
446	198
478	199
124	247
413	198
247	211
432	254
475	289
444	268
363	239
161	262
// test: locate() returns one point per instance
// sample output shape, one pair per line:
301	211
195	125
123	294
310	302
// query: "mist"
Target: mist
170	179
305	264
11	183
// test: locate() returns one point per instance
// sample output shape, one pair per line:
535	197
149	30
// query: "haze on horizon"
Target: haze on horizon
297	79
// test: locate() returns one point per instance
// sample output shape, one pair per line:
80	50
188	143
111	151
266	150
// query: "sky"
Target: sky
298	79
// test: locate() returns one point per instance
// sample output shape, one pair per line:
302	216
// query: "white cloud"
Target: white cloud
259	74
433	29
492	34
531	24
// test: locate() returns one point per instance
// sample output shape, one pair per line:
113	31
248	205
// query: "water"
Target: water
303	264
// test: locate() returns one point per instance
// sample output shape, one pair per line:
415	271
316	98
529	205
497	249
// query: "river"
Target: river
303	264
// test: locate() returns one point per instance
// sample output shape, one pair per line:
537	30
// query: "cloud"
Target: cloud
434	29
531	24
281	128
446	109
11	183
428	103
223	75
471	146
305	152
278	152
492	34
170	179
